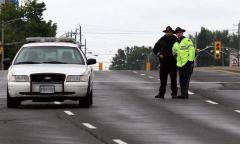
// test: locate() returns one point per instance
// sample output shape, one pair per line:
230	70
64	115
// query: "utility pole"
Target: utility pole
2	49
71	34
238	43
80	36
222	56
75	35
149	54
85	46
196	41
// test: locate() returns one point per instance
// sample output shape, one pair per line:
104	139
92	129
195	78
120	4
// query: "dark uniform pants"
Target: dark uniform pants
185	73
168	67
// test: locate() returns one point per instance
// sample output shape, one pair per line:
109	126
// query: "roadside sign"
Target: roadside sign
233	59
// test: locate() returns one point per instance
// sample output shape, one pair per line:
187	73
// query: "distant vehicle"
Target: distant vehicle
50	69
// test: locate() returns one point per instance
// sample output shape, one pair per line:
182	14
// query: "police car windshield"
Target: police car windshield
50	55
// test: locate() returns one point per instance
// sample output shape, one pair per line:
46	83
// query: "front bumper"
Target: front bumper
68	89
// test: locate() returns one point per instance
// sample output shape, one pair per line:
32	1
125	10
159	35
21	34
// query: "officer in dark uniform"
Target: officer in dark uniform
163	50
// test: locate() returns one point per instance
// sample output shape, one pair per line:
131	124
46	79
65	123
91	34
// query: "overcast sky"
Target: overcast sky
112	24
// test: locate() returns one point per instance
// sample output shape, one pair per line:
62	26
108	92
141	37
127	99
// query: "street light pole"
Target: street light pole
238	43
223	57
2	48
3	24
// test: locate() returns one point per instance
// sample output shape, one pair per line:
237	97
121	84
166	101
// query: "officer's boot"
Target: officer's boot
159	96
174	93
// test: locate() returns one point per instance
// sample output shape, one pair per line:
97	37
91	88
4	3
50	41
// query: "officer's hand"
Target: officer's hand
190	63
161	56
175	56
174	53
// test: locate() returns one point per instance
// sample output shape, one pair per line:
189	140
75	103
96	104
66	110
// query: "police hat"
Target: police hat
169	30
178	29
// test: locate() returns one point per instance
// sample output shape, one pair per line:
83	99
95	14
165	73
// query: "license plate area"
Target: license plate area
47	89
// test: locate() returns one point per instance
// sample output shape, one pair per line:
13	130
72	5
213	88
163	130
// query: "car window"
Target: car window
49	54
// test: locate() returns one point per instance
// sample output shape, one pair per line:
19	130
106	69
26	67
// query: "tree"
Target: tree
35	25
134	58
119	60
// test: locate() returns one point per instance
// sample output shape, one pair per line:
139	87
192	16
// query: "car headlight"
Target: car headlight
77	78
18	78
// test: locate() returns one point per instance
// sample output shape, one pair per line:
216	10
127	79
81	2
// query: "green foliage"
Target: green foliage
34	25
34	10
119	61
134	58
206	38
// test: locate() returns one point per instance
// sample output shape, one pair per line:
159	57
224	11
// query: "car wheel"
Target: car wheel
86	102
12	102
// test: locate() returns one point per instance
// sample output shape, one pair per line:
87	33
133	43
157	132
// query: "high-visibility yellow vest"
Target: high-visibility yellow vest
185	51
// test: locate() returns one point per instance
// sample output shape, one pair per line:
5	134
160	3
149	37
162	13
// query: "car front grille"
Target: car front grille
48	77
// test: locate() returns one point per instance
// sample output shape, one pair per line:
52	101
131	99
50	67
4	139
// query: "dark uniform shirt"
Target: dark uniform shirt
164	46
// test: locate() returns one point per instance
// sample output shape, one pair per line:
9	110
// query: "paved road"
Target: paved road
126	112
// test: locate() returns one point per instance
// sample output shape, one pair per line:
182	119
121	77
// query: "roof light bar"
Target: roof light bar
49	39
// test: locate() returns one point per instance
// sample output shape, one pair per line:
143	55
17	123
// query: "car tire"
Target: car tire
86	102
12	102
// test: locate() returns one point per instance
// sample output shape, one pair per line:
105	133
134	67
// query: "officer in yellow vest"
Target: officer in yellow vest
185	52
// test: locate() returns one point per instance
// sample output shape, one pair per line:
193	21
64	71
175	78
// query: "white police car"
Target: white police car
50	69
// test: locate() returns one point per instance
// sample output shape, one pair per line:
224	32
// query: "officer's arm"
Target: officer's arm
158	48
191	51
174	48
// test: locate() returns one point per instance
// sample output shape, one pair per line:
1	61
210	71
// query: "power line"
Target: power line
121	33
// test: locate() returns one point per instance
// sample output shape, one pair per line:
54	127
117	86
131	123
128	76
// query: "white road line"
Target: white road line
142	74
211	102
124	82
69	113
168	82
191	93
238	111
151	77
229	72
57	103
135	72
196	82
118	141
88	125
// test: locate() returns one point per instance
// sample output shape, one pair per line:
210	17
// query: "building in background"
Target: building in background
9	2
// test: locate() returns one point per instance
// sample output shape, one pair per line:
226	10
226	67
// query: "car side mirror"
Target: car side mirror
91	61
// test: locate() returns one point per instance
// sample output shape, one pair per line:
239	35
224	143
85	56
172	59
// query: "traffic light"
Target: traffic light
217	49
